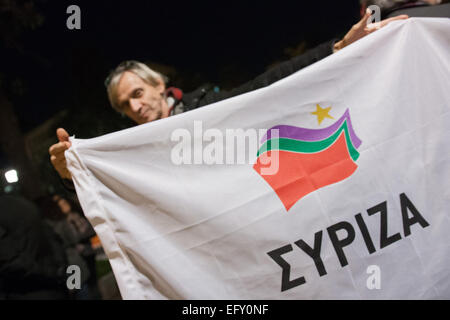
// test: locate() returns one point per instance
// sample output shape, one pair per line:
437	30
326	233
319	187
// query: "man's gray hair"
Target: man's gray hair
140	69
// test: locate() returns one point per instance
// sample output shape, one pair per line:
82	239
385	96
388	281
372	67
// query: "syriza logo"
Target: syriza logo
309	159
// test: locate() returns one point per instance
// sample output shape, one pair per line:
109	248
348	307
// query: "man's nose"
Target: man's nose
135	105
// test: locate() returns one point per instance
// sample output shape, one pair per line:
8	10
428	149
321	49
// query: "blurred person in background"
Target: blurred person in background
74	215
32	257
85	234
75	232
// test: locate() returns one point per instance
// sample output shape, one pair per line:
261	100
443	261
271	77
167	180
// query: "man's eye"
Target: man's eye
138	93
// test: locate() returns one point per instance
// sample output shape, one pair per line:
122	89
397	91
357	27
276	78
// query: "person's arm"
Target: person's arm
358	31
274	74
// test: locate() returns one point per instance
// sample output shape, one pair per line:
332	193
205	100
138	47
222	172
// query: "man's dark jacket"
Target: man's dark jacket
204	95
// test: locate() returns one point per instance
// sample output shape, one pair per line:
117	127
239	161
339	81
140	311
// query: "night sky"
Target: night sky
222	42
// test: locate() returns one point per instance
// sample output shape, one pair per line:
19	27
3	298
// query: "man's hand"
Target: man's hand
362	29
57	153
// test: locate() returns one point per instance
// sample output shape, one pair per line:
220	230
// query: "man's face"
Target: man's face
140	101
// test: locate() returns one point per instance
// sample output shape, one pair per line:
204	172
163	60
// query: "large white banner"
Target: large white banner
347	198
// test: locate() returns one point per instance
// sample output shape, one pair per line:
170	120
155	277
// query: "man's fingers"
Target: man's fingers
67	174
372	27
60	165
62	135
64	173
58	160
377	25
363	28
386	21
58	148
57	157
366	17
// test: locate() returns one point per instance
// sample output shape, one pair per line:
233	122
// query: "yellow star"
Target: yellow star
322	113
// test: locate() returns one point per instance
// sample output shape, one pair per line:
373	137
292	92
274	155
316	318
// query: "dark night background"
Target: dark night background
47	68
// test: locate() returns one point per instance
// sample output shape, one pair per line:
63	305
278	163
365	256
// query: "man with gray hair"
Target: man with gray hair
140	93
140	105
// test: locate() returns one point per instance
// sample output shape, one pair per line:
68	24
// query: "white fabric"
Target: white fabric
204	231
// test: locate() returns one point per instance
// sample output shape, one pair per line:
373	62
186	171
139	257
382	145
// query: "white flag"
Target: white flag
333	183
